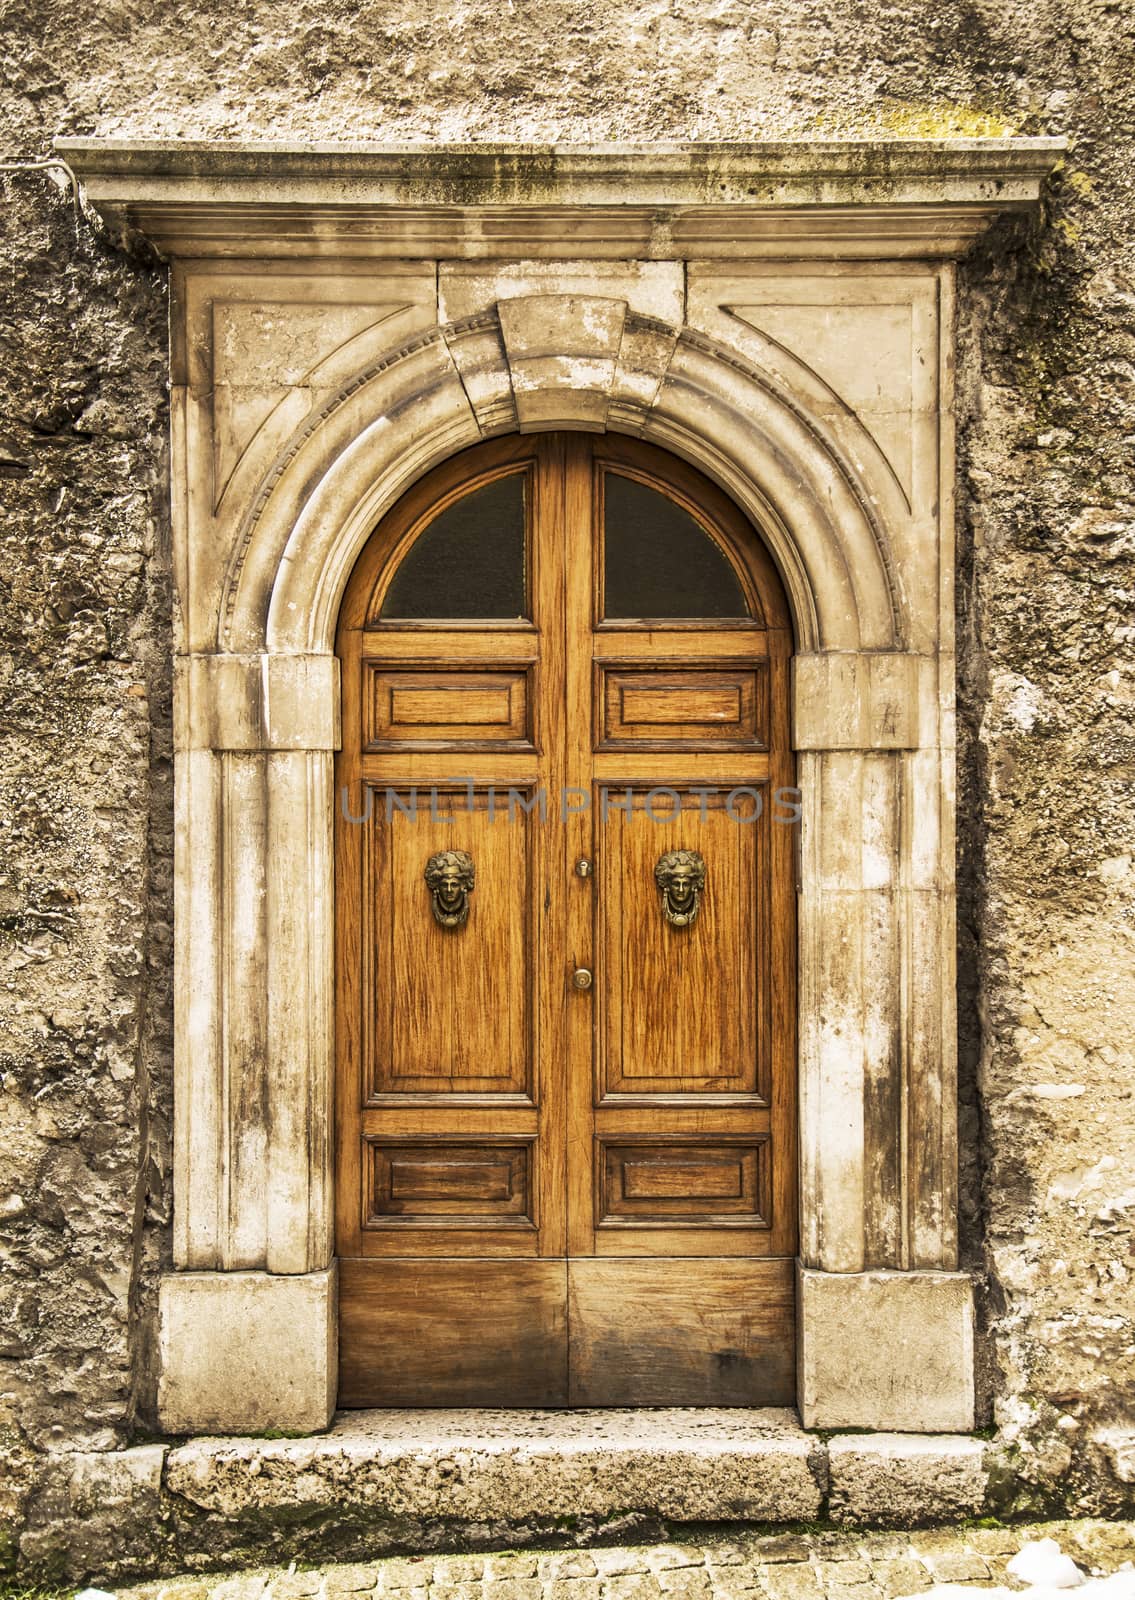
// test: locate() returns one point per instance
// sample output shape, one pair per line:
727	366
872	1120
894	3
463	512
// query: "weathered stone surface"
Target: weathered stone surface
92	1505
900	1575
886	1350
897	1479
507	1467
248	1349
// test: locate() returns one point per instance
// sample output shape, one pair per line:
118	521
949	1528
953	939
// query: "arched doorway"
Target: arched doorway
565	941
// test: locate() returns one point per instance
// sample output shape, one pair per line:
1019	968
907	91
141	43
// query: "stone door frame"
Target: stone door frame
343	319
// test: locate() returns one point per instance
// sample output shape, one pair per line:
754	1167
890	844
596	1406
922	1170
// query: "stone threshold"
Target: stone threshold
385	1482
543	1467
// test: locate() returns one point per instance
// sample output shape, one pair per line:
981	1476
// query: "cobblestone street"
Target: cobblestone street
817	1565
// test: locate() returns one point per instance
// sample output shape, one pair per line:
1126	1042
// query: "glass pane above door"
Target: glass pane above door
658	561
469	562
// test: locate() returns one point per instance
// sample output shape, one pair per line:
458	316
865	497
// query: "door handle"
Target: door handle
582	978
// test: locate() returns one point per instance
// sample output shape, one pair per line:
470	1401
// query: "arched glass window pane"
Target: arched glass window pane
468	563
659	562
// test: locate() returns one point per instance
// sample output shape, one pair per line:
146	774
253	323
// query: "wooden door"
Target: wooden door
565	912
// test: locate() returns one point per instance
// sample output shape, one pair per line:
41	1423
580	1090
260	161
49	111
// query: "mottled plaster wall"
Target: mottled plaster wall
1046	615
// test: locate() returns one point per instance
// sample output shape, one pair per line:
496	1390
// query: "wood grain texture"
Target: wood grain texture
449	1182
683	1180
436	708
452	1006
452	1333
670	708
500	1131
681	1333
682	1007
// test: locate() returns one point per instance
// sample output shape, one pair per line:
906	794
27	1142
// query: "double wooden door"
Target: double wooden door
565	885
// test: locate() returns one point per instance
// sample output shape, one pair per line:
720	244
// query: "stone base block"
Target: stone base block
886	1350
248	1352
895	1480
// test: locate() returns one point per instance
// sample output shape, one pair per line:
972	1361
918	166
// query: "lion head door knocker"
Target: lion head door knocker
450	878
680	876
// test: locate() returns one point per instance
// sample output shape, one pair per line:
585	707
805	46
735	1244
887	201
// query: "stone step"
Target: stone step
521	1466
388	1481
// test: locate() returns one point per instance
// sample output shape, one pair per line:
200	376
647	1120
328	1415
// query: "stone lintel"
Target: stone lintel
886	1350
245	1352
259	702
901	198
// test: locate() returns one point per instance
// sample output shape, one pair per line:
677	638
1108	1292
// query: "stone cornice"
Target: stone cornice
880	199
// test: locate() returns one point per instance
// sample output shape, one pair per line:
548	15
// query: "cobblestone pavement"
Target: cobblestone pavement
743	1565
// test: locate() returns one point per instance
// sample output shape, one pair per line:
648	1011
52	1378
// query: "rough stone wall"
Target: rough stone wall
85	835
1046	617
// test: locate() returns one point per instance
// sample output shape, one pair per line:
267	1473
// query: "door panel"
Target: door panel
687	708
450	1181
452	1009
437	708
680	1004
560	1190
453	1333
683	1178
681	1333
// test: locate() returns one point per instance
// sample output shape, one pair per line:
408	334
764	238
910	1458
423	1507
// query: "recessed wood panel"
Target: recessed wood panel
451	1007
682	1333
678	1181
436	708
447	1182
452	1333
683	709
681	1004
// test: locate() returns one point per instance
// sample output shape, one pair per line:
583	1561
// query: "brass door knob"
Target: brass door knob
582	978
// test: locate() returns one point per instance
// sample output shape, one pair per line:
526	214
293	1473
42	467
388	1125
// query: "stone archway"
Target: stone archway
311	388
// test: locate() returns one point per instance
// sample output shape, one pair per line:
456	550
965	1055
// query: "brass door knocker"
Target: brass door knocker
680	876
450	877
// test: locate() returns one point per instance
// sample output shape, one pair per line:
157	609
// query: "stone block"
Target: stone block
654	289
685	1583
901	1575
792	1582
293	1585
459	1569
886	1350
93	1507
518	1589
898	1480
855	701
352	1579
406	1572
246	1352
958	1566
850	1574
511	1567
573	1589
689	1466
567	1564
616	1562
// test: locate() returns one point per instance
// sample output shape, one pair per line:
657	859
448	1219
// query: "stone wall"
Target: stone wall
1046	618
